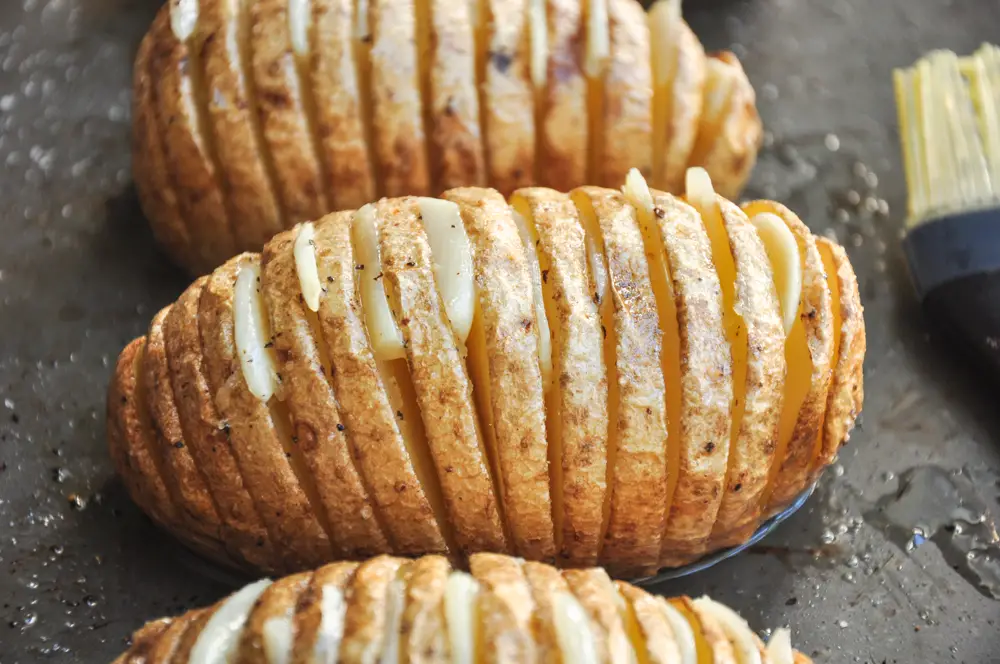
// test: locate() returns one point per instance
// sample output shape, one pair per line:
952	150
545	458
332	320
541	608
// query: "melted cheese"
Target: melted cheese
278	637
539	35
786	264
573	633
393	621
304	251
541	319
220	635
637	193
333	608
298	25
664	31
598	38
683	634
779	647
386	339
183	18
252	333
735	629
460	612
452	261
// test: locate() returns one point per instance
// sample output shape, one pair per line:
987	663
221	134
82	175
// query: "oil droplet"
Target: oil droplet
832	142
842	624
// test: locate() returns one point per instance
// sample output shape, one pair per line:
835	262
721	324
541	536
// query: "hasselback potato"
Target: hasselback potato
251	116
505	611
626	378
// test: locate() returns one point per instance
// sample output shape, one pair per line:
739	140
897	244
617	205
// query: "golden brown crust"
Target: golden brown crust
149	168
508	95
563	130
183	479
706	381
752	449
143	641
130	442
655	630
336	93
443	389
367	605
175	105
282	116
374	435
628	96
847	387
638	490
285	508
506	308
313	412
505	608
169	641
231	117
423	622
816	315
335	577
600	600
580	380
278	602
455	141
397	116
205	435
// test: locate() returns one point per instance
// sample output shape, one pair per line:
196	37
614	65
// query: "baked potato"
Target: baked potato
506	610
249	117
624	378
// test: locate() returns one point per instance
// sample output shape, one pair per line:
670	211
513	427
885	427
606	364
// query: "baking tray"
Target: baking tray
80	567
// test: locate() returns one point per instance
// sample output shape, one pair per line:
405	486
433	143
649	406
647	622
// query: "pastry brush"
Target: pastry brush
949	127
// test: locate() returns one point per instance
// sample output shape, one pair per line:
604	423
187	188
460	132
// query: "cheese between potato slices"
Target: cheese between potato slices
393	619
252	333
735	629
183	18
683	633
219	637
779	647
298	25
278	637
333	608
461	595
573	633
786	264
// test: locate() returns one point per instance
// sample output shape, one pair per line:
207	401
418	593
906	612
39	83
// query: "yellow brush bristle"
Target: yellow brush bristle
949	128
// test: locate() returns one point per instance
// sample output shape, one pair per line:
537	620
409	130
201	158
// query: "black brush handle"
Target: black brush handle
955	265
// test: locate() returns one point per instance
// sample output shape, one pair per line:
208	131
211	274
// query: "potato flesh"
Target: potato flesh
541	317
637	193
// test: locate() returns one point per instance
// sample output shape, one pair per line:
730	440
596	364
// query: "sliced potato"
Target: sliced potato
269	631
654	628
442	386
367	608
576	407
709	634
504	365
546	585
505	608
423	621
319	620
600	600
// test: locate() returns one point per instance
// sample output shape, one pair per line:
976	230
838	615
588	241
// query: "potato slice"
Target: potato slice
549	620
399	142
181	475
505	608
269	632
706	381
338	78
847	386
576	401
249	174
751	316
176	640
319	618
451	98
678	60
388	444
442	387
263	450
808	354
627	108
280	103
504	365
635	506
367	608
317	430
651	628
731	130
603	607
562	162
173	70
423	620
507	93
149	167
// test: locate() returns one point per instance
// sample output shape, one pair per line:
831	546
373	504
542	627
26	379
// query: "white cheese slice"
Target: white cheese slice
278	637
598	39
304	251
220	636
393	619
298	25
573	633
333	608
183	18
786	264
452	255
386	339
252	333
538	32
460	612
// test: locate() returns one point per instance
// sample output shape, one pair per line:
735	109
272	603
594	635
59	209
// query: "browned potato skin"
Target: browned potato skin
514	604
263	510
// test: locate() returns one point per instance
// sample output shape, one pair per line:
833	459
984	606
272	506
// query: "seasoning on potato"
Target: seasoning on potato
624	378
250	117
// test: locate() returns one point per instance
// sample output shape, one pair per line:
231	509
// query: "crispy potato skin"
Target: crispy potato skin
514	618
238	132
326	468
